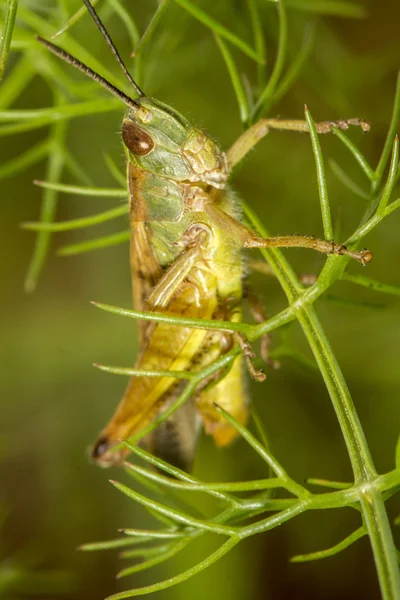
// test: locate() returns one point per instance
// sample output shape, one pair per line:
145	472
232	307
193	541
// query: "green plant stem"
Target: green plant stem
370	498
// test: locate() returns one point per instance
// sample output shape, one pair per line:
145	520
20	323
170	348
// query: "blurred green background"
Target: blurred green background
53	403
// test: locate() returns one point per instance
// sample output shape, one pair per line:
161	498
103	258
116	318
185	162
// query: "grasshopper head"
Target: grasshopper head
159	140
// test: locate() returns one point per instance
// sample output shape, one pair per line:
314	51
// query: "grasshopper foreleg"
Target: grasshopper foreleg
172	279
254	134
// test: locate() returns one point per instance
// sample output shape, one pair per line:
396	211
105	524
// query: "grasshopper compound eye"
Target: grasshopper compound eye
138	141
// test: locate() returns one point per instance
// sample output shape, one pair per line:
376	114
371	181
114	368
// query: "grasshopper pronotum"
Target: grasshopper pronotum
186	259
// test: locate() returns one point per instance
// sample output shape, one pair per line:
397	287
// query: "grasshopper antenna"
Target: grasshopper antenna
89	72
111	45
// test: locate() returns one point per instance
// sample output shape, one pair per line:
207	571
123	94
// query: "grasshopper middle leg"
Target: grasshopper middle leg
248	239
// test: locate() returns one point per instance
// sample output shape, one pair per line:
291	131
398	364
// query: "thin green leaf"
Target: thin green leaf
349	10
127	20
146	373
174	471
255	416
165	554
81	12
219	29
259	42
298	357
321	178
112	544
272	83
356	153
155	20
174	320
372	284
16	81
350	302
235	486
371	223
392	206
60	112
162	486
35	119
184	576
6	35
347	181
296	65
43	27
83	191
25	160
141	552
102	242
335	485
391	180
394	125
178	516
240	93
255	444
157	535
80	223
155	490
348	541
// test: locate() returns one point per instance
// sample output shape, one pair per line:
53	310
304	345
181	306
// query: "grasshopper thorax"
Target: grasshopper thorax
159	140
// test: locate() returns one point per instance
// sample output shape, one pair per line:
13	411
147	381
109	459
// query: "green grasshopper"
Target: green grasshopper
186	259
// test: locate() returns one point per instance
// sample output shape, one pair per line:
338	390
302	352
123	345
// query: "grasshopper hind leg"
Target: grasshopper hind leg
258	313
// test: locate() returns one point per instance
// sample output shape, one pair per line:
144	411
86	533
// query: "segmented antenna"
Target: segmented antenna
111	45
89	72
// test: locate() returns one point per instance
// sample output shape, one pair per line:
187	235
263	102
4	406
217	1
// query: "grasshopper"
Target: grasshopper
186	254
